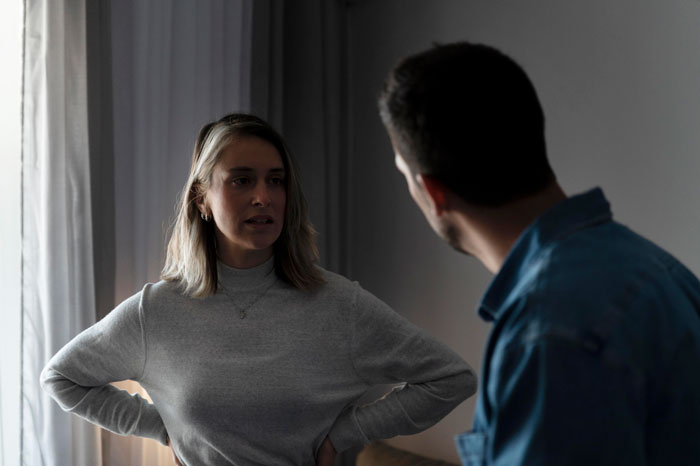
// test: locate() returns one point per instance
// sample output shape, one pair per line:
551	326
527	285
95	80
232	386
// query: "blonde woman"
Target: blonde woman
252	353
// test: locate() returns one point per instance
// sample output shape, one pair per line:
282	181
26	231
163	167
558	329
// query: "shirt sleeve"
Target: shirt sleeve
554	401
386	349
78	377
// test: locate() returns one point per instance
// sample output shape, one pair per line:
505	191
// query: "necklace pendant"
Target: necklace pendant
243	315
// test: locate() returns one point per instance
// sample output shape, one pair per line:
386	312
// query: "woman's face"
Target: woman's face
247	199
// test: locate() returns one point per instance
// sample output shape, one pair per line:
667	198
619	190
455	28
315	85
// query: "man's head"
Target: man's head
465	117
469	116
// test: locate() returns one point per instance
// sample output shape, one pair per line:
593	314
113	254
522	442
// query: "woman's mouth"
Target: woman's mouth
260	220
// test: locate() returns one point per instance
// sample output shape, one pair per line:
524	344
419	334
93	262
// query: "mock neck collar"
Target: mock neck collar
246	279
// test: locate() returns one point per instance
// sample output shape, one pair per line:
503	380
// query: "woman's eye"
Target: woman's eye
241	181
277	180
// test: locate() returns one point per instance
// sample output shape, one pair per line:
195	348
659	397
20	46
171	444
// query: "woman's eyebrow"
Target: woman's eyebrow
249	170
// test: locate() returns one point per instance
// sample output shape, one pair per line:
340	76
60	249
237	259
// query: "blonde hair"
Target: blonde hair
191	256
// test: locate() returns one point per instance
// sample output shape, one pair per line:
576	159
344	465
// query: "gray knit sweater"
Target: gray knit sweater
259	373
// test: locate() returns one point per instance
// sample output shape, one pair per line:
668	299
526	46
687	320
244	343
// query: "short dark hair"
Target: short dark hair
469	116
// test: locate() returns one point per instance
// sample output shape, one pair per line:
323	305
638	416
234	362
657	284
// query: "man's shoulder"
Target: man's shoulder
593	282
619	250
604	258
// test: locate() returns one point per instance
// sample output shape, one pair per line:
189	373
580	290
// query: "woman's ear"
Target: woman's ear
437	193
201	202
204	210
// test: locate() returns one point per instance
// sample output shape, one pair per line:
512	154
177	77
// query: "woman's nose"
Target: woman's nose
261	197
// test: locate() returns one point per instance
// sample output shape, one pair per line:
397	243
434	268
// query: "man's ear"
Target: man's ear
437	192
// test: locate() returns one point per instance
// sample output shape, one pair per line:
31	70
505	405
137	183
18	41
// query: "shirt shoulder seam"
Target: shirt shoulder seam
144	336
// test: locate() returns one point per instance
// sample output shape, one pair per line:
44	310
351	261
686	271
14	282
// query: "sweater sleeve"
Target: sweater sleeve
388	349
78	377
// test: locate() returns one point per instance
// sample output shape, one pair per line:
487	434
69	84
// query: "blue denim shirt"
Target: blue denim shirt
594	355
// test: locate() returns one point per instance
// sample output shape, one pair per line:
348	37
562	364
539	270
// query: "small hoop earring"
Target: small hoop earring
204	216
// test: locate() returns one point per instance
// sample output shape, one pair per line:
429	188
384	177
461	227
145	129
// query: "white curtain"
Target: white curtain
176	65
57	251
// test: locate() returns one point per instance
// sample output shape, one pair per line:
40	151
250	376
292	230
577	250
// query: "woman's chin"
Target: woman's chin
262	245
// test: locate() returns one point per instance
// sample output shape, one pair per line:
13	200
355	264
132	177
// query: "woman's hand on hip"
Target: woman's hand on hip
326	454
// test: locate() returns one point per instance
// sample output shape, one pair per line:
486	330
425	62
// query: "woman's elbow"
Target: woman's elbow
468	383
57	386
48	379
460	385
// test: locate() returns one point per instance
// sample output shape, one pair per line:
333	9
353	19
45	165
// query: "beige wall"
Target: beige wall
620	84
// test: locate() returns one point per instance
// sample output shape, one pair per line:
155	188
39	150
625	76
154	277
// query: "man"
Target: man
594	354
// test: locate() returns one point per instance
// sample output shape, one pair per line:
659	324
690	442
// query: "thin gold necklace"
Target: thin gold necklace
243	310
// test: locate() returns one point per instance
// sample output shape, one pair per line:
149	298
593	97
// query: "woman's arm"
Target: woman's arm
78	377
386	348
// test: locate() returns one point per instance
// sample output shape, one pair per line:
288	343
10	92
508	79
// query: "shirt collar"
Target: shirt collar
246	279
568	216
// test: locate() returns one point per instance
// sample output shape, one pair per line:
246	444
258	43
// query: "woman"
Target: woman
251	353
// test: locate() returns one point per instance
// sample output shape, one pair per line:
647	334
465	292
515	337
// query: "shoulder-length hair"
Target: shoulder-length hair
191	256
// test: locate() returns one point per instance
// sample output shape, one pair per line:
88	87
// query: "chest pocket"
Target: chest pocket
471	447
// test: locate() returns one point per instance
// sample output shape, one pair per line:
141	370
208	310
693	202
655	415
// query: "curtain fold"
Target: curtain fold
315	116
58	298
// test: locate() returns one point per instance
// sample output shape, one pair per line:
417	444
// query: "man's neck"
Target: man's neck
490	232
